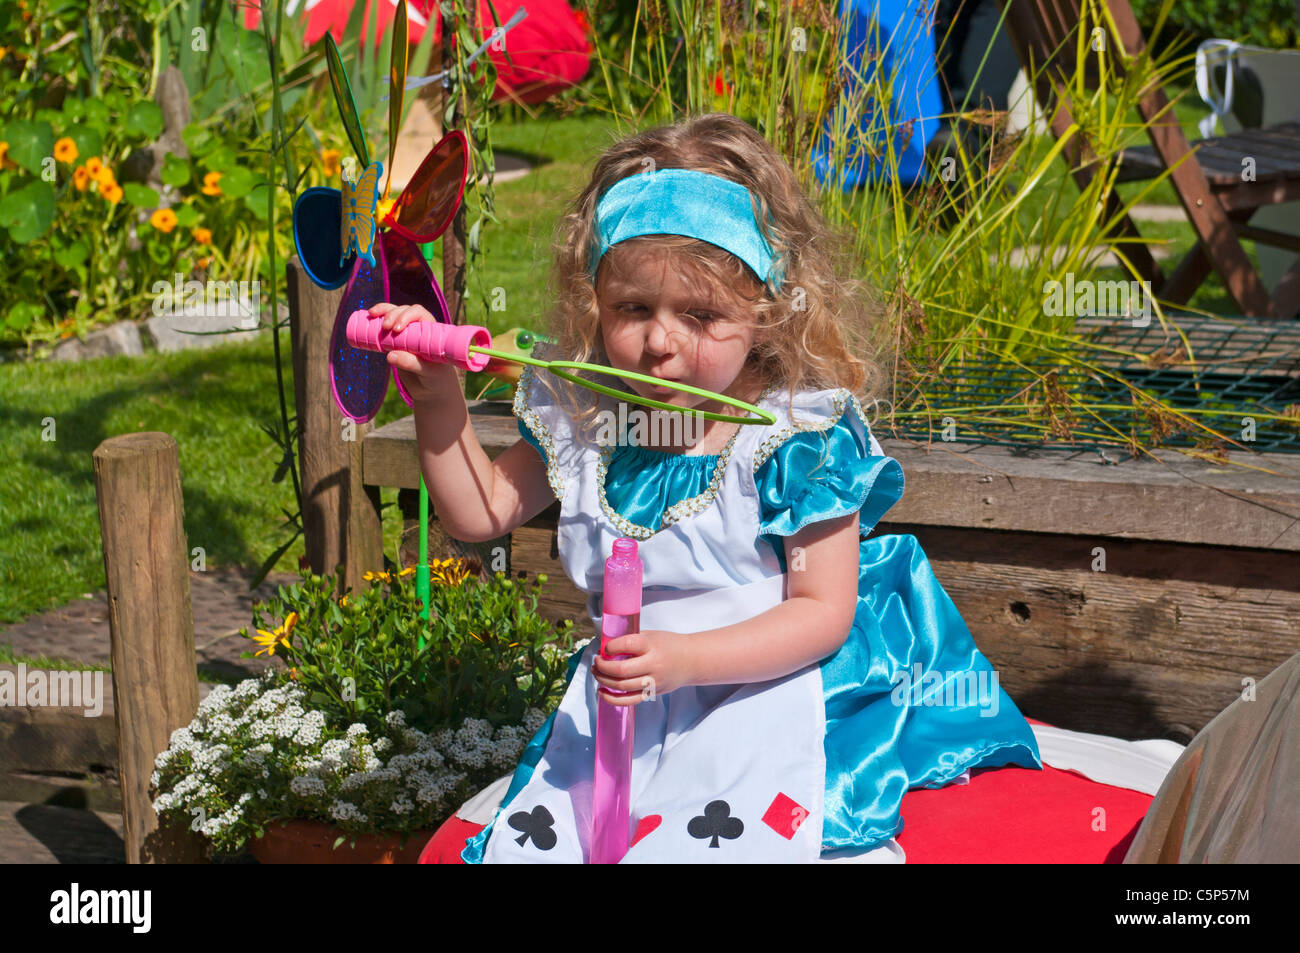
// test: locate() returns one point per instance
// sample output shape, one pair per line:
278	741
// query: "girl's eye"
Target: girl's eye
704	317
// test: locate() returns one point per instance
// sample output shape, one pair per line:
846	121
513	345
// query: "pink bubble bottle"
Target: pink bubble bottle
615	725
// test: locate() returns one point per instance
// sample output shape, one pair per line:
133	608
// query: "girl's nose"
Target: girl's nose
665	334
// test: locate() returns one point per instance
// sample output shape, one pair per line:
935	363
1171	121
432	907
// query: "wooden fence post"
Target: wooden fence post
340	519
155	681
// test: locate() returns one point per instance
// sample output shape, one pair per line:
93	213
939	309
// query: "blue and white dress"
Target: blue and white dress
815	763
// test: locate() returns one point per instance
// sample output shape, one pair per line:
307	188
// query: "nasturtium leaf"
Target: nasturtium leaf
175	170
140	195
22	314
186	216
30	143
144	119
28	212
89	141
238	182
197	139
96	112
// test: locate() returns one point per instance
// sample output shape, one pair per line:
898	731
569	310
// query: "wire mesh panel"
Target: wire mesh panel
1218	376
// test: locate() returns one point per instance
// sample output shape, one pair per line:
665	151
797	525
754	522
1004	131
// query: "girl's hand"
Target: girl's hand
658	663
425	381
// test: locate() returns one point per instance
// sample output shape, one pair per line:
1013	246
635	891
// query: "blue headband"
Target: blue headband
683	202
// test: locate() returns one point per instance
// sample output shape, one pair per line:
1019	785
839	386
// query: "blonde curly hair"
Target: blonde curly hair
813	332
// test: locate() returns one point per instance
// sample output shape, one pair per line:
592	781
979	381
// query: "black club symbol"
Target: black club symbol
715	822
536	825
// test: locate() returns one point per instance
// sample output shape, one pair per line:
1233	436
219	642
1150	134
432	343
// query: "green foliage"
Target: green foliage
1261	22
484	652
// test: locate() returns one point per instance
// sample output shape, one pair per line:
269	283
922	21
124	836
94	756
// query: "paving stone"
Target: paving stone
120	338
51	834
221	602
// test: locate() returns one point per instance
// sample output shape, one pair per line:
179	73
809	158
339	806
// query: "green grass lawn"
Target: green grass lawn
212	401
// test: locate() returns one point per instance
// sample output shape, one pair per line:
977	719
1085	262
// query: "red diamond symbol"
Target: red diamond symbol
785	816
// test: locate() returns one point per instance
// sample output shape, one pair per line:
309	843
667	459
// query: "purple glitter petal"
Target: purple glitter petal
359	378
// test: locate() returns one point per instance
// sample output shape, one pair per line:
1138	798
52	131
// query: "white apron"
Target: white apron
723	773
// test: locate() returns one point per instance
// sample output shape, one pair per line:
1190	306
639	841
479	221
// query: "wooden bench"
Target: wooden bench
1200	588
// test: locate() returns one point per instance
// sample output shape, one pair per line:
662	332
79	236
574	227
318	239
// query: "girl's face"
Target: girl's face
654	323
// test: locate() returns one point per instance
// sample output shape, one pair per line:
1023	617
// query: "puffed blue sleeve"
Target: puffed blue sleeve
824	474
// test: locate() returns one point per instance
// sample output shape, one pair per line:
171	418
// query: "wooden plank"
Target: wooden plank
390	455
1154	646
340	518
1176	499
1172	499
155	686
533	550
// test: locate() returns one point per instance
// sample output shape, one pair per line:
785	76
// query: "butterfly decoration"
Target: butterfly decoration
343	240
359	202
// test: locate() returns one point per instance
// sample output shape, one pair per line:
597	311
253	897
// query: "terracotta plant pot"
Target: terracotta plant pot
312	842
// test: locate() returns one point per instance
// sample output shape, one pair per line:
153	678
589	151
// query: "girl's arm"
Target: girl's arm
812	623
476	498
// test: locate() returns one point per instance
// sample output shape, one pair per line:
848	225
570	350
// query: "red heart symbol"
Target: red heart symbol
645	826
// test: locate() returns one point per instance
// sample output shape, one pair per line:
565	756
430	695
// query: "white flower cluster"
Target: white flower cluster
259	737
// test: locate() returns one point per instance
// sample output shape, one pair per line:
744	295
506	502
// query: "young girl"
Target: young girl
792	678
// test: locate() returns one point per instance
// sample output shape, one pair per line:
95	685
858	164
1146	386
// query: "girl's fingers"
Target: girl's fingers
396	319
620	700
633	644
618	668
382	308
405	361
626	684
402	315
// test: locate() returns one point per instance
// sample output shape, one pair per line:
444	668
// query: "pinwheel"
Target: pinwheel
343	239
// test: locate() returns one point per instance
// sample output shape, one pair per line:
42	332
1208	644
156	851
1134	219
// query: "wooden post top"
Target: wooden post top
1173	498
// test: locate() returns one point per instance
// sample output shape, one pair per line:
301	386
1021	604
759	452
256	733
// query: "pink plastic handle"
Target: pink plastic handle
427	340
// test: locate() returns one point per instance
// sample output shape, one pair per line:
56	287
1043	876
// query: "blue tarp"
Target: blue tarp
903	31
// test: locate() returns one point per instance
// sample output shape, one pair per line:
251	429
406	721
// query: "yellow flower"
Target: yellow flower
329	159
112	193
343	601
94	167
202	262
449	572
407	571
5	161
104	176
203	236
65	150
368	576
163	219
269	640
385	206
210	181
80	178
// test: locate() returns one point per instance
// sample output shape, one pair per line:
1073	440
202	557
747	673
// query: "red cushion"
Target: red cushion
1004	816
